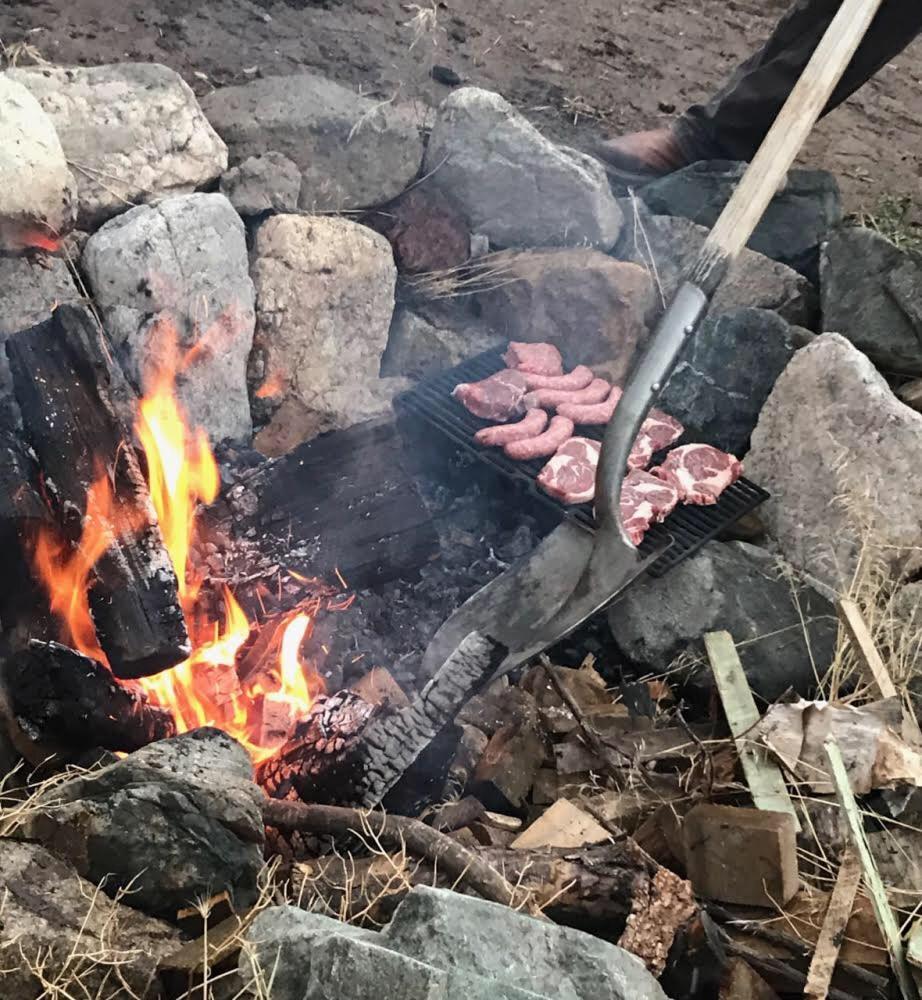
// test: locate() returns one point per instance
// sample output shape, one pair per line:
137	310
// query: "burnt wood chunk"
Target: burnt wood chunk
73	397
333	760
60	696
349	492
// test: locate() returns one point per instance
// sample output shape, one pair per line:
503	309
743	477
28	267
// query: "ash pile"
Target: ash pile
232	524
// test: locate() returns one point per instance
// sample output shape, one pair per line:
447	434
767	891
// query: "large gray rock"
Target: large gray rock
719	386
417	347
279	945
592	307
267	183
440	945
38	193
840	455
668	245
352	152
872	294
325	297
181	265
134	131
82	941
176	821
513	185
29	290
449	930
797	220
738	588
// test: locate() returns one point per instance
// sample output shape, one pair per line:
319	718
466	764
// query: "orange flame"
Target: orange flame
272	386
205	689
67	570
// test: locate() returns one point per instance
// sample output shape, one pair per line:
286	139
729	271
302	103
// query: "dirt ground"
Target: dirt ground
575	68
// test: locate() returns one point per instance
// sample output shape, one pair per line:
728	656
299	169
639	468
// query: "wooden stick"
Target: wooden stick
784	140
860	636
422	840
766	783
885	918
832	933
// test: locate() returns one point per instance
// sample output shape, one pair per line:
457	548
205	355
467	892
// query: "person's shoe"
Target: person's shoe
640	157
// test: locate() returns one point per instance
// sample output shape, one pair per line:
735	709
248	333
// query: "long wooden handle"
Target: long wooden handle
784	140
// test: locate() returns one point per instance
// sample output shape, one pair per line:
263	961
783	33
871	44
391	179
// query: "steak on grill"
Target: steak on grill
498	397
570	474
699	472
537	359
645	500
657	432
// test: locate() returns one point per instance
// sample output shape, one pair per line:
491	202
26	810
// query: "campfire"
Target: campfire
256	698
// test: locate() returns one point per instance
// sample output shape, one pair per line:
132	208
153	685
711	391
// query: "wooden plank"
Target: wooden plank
885	918
766	783
832	933
860	636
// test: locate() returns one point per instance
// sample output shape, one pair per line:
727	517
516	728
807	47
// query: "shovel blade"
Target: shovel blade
542	598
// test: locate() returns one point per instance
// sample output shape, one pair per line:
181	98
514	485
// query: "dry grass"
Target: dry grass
19	54
486	273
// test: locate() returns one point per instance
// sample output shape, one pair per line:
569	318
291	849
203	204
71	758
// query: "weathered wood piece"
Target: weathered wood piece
356	761
863	643
872	880
70	392
766	783
832	933
563	825
60	696
349	492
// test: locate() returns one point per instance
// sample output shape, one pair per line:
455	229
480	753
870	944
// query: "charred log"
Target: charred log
347	753
349	492
60	696
71	393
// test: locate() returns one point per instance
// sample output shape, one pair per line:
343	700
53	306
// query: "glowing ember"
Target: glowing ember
205	689
272	386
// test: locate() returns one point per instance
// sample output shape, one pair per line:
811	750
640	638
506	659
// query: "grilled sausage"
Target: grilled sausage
579	378
591	413
558	431
549	399
530	426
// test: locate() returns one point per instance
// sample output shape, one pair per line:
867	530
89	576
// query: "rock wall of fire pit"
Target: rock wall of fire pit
176	820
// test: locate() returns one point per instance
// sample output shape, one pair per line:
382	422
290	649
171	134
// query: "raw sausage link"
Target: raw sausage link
579	378
548	399
530	426
591	413
545	444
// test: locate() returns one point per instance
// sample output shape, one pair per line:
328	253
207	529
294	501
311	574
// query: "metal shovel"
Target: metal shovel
573	574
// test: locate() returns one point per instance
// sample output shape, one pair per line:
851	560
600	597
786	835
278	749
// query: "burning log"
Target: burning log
348	491
73	397
350	753
60	696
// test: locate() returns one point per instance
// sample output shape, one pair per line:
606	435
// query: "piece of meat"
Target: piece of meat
498	397
569	476
537	359
699	472
591	413
657	432
530	426
662	429
549	399
547	443
645	500
579	378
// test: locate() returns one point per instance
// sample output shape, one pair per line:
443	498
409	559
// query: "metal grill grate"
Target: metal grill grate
685	530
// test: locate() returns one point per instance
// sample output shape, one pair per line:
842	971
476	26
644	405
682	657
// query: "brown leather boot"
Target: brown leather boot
640	157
